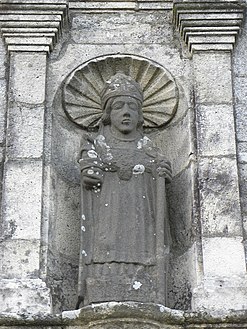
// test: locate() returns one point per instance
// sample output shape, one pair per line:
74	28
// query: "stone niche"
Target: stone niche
175	140
43	44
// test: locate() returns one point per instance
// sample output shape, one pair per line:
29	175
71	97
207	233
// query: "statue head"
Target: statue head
121	88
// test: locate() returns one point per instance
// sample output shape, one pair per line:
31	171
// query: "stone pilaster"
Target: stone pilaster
30	32
210	30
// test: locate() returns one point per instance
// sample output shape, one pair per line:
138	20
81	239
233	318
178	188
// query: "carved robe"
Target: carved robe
119	225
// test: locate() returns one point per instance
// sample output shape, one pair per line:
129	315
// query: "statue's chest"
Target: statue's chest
127	161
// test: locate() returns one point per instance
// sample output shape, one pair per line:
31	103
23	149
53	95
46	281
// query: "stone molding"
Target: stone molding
32	25
109	6
127	315
209	25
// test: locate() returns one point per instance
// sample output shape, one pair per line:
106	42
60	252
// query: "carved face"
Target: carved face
124	114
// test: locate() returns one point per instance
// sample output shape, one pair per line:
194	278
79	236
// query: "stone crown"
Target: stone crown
121	85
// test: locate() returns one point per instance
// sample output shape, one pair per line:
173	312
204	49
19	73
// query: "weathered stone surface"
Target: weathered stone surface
43	21
231	261
219	197
243	193
239	55
2	109
240	89
215	126
28	70
213	77
205	29
22	198
182	210
76	54
3	58
67	217
185	270
219	294
242	152
121	169
131	28
95	6
30	296
241	121
20	259
134	32
177	141
25	131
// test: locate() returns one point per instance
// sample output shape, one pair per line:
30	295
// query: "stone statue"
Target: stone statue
125	235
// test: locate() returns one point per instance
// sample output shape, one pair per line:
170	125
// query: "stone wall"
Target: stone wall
205	142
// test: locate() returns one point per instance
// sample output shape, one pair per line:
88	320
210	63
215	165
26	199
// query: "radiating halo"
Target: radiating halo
82	88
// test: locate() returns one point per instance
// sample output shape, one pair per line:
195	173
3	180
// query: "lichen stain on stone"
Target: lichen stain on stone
138	169
162	308
27	252
92	154
137	285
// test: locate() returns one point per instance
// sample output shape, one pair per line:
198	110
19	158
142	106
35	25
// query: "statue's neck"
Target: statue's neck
130	136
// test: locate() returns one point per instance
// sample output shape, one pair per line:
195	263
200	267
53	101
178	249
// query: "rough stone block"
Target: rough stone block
3	58
239	55
2	108
24	296
213	77
183	276
177	143
19	259
180	193
22	199
28	76
25	132
215	130
240	89
242	152
219	197
243	187
219	295
120	28
223	257
66	218
241	122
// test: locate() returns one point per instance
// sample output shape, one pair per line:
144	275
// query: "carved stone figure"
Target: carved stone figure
125	235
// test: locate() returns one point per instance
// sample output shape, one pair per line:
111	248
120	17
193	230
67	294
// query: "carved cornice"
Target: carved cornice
209	25
113	5
28	25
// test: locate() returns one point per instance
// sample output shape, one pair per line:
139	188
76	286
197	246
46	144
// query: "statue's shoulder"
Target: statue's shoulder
148	146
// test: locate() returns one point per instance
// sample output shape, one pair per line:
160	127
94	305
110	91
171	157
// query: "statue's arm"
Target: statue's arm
90	164
164	168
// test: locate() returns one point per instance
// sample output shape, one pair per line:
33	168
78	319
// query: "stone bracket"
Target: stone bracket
32	26
209	25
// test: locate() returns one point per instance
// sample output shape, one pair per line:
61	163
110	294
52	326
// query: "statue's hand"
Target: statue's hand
92	177
164	169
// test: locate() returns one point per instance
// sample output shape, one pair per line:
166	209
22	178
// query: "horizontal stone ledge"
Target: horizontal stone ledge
128	311
29	48
211	47
208	23
37	23
120	5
